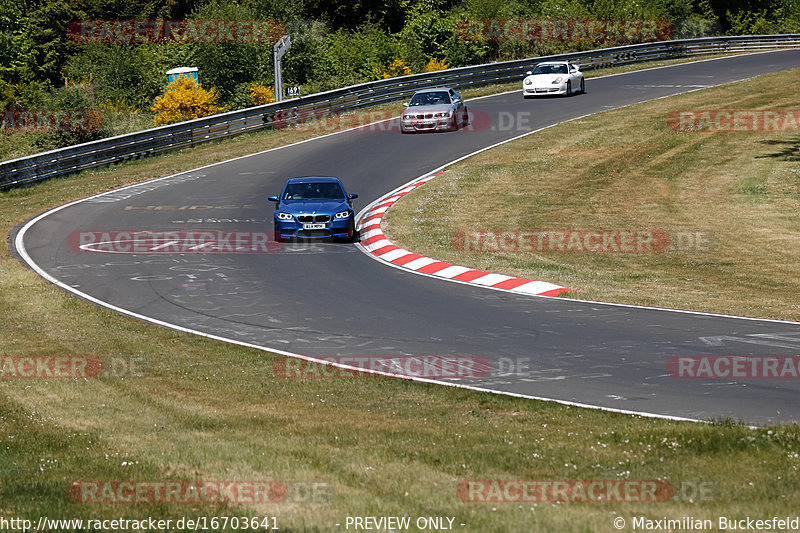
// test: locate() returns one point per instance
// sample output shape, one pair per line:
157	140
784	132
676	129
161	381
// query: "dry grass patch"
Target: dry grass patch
625	169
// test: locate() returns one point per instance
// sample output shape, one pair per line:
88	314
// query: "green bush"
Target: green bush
134	73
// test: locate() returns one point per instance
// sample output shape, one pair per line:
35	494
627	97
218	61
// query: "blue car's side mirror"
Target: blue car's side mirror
352	196
273	198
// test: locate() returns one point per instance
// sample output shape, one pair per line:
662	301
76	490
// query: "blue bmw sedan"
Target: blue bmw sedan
315	208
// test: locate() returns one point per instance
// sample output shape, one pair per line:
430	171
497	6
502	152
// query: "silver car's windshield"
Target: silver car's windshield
550	69
313	191
435	98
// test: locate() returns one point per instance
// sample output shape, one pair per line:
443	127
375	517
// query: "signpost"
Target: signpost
280	48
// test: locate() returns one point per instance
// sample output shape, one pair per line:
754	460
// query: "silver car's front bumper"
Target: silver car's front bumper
427	124
539	91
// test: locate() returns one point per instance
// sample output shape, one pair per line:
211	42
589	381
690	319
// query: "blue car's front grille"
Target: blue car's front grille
313	218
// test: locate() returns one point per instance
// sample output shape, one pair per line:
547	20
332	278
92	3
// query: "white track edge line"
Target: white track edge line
24	253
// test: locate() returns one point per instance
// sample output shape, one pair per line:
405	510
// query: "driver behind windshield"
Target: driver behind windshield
313	191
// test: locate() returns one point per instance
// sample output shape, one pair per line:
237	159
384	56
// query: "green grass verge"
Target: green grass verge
205	410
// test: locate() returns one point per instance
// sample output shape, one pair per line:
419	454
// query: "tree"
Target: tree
226	65
48	29
17	59
350	14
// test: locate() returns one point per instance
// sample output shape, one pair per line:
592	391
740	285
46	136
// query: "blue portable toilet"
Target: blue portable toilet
174	74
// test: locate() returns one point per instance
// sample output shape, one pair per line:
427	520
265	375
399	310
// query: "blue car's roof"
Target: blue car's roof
314	179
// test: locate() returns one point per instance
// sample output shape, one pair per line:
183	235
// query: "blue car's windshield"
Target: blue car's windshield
313	191
550	69
430	98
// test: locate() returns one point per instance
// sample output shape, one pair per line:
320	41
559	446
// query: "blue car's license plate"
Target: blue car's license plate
313	226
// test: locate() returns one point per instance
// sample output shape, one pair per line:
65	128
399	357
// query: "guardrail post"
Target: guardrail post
277	53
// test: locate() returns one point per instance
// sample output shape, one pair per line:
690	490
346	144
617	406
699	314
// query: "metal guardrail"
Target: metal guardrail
63	161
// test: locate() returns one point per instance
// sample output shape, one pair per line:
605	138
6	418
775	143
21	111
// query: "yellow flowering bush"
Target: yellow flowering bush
184	99
261	95
434	65
397	67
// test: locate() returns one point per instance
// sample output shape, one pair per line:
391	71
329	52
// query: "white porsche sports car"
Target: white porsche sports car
553	77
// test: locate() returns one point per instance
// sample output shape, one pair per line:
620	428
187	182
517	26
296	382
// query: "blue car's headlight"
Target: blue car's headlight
343	214
285	216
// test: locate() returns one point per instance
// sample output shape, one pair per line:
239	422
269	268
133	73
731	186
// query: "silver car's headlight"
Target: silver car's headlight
343	214
558	80
285	216
444	115
528	81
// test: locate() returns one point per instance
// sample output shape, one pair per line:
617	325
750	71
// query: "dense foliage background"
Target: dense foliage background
335	43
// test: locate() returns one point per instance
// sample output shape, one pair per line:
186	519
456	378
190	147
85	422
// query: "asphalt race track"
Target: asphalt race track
323	299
